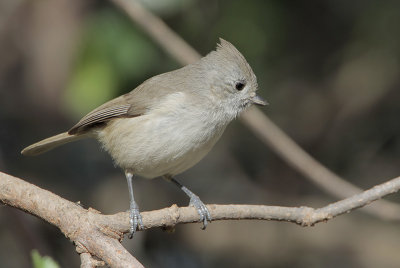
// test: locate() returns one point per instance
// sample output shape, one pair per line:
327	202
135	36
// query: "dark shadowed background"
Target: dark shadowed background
329	69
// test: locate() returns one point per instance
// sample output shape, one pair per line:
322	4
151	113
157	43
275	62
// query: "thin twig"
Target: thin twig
300	160
304	216
254	119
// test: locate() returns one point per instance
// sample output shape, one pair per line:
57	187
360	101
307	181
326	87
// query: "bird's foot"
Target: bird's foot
135	220
202	210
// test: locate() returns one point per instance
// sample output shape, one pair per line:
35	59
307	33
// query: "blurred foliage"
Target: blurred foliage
112	54
42	261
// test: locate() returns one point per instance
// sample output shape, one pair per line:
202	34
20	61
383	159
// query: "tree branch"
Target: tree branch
73	220
304	163
100	235
87	261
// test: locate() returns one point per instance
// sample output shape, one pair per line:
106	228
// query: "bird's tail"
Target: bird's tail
50	143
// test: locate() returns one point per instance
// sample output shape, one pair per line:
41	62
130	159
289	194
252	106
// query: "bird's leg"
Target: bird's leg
195	201
135	219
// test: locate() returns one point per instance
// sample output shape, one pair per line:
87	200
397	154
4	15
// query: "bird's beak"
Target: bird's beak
259	101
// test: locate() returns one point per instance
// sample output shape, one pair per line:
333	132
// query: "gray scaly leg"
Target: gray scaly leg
135	219
195	201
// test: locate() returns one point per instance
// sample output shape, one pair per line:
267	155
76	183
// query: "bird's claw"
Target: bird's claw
135	220
202	210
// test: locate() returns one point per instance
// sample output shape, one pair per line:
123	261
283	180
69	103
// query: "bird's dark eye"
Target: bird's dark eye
239	85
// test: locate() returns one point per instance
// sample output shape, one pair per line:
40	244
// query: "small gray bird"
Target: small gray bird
169	122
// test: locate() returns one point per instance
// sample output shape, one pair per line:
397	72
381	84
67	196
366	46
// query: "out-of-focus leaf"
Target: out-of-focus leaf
92	84
42	261
112	55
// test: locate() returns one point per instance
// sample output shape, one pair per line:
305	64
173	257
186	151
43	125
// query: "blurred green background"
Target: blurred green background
329	69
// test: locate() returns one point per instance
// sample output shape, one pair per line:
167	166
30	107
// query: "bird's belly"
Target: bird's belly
152	147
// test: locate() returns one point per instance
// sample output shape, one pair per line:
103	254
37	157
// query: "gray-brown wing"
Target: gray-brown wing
135	103
154	90
117	107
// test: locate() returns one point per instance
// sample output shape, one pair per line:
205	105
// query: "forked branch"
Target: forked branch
100	235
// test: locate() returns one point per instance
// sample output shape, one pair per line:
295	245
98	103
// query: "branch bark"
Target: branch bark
74	221
100	235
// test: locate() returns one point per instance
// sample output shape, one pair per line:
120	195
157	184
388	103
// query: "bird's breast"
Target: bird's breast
164	141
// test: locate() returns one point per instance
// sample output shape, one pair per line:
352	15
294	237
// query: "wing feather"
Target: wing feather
135	103
114	108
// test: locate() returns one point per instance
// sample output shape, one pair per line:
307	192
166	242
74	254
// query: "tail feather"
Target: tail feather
50	143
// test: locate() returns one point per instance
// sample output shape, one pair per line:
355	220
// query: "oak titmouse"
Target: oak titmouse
169	122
